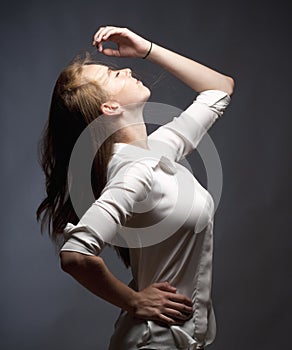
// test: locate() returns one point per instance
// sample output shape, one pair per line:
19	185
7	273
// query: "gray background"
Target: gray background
42	307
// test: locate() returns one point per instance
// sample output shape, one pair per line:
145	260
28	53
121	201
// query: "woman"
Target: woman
143	195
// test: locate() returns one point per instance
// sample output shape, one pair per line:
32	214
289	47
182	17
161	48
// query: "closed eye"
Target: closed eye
117	74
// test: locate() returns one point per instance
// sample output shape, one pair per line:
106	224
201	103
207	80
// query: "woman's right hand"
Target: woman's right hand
160	302
129	44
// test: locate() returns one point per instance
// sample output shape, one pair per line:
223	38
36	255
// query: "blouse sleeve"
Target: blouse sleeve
183	134
131	183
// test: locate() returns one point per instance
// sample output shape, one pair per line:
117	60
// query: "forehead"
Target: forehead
95	72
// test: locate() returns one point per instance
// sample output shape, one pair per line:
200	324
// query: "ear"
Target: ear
111	108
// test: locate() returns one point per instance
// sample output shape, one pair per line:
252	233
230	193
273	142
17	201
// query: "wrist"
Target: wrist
148	51
132	306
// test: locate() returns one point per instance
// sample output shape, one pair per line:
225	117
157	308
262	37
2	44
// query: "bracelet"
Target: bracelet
147	54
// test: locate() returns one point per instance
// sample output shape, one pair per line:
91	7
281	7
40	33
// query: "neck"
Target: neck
135	135
131	127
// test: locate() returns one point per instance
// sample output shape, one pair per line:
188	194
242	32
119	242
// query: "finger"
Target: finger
165	286
112	31
179	298
180	307
165	319
98	34
111	52
100	47
95	36
175	314
108	31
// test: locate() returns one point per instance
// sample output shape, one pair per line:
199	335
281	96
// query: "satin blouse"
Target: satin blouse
155	206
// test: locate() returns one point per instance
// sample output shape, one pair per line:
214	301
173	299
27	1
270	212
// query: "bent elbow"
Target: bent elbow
230	86
72	262
69	260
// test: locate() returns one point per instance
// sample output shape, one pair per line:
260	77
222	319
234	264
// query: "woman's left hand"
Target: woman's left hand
128	43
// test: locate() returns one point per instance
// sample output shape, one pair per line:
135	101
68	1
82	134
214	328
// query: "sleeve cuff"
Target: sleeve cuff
216	100
82	239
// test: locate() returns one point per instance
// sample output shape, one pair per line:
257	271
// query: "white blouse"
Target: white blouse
157	208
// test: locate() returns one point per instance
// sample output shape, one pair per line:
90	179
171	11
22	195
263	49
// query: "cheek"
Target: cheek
121	86
126	92
114	88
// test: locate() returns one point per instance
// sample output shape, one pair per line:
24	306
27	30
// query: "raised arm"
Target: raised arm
197	76
183	134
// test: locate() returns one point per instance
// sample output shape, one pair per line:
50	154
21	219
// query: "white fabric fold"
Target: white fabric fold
217	100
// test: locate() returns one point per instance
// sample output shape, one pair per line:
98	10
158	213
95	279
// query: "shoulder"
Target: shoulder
124	169
127	180
133	160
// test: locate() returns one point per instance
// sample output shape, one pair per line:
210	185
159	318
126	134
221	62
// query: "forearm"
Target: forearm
93	274
197	76
158	301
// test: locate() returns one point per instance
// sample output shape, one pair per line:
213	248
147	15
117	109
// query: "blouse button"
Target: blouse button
167	165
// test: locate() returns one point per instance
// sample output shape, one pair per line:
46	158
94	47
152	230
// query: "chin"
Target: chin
147	94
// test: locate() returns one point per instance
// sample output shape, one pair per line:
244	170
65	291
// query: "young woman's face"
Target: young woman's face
119	84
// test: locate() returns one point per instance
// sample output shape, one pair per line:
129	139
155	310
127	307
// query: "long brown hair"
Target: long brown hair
75	104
